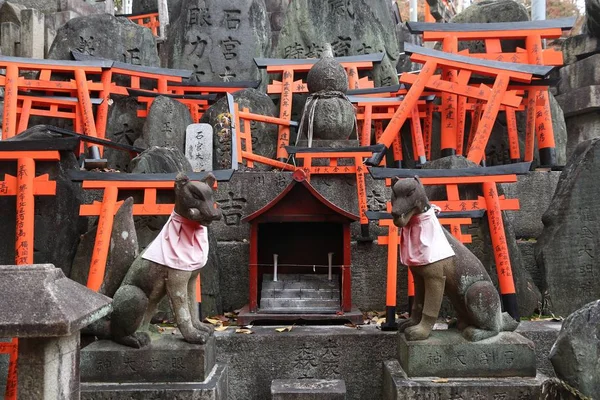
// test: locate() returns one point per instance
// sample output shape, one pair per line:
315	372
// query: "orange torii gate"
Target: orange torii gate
491	203
539	120
25	185
433	59
288	86
111	184
149	19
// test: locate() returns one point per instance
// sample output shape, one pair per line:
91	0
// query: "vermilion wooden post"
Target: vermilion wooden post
25	211
427	129
352	73
102	243
346	273
24	118
417	136
285	112
410	100
253	268
543	118
85	103
513	136
484	128
199	297
391	240
9	119
365	137
11	381
102	111
461	111
449	103
501	255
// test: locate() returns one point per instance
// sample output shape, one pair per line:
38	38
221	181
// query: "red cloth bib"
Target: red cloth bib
423	241
181	244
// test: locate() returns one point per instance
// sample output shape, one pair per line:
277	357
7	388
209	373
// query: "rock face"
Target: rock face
105	36
123	126
166	124
352	27
576	353
122	252
57	221
491	11
160	160
528	295
264	136
218	39
568	248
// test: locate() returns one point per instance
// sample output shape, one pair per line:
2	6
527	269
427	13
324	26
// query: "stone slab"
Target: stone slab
199	146
583	100
579	47
579	74
447	354
543	334
168	359
308	389
397	386
215	387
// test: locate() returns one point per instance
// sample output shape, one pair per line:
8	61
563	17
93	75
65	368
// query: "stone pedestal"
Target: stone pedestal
447	354
32	42
167	359
308	389
398	386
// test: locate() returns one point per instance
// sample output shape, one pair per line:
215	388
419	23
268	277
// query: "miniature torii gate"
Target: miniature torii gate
539	119
503	73
25	186
288	86
111	183
491	203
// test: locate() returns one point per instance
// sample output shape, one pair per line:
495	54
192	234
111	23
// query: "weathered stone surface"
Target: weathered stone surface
397	386
447	354
106	36
233	284
307	352
579	47
592	18
168	358
528	296
332	115
160	160
124	127
122	252
581	128
166	124
491	11
146	6
199	146
559	127
60	212
580	74
264	136
543	334
213	388
534	191
218	39
527	249
10	11
351	27
32	42
568	246
404	35
576	353
583	100
42	302
308	389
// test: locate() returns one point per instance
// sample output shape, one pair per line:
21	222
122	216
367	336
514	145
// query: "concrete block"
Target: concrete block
168	359
397	386
447	354
308	389
32	42
215	387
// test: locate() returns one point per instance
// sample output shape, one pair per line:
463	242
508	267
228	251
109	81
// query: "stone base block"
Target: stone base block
215	387
308	389
168	359
396	386
447	354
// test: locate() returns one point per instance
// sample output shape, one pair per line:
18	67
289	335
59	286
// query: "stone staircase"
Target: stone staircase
300	293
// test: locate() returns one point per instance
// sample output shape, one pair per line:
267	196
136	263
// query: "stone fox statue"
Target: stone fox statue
168	267
439	262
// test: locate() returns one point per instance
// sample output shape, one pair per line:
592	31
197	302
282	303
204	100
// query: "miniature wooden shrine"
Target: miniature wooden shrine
300	258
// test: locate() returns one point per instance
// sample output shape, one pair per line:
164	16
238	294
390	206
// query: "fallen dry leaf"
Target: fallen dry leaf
242	330
213	321
221	328
442	380
285	329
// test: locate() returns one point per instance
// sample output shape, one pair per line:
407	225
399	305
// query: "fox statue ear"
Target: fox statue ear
210	180
394	180
181	179
416	178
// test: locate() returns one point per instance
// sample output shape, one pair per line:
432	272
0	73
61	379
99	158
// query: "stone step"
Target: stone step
301	293
299	304
304	284
305	310
313	389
